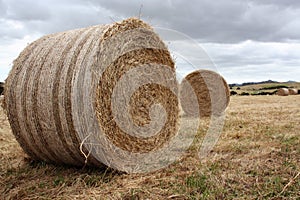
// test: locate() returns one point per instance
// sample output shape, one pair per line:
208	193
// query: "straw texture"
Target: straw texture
60	94
211	91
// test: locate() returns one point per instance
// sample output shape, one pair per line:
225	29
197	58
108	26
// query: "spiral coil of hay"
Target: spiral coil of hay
61	99
211	91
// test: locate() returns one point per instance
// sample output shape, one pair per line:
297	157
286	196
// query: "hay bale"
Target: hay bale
293	91
282	92
2	104
2	99
211	91
60	95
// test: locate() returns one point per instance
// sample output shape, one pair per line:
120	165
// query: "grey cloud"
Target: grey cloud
2	8
10	29
226	21
285	3
217	21
258	73
70	17
27	10
44	17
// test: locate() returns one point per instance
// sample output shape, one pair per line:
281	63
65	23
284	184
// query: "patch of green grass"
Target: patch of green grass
42	185
215	167
59	180
93	180
197	181
289	164
198	186
290	141
132	194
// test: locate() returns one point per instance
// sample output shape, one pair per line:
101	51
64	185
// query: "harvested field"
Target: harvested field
257	156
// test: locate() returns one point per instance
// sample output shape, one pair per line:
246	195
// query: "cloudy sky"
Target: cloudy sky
252	40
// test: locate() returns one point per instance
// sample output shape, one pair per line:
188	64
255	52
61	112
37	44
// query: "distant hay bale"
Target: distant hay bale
293	91
2	100
2	103
1	88
283	92
60	91
211	90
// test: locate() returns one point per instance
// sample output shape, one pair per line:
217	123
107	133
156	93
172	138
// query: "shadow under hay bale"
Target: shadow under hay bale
232	93
282	92
211	90
60	95
244	94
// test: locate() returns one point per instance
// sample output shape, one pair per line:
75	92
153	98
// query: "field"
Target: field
257	157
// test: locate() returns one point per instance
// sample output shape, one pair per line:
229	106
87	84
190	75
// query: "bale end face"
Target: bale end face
211	91
282	92
293	91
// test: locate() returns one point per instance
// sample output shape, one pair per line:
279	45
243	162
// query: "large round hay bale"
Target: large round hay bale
293	91
282	92
211	91
67	93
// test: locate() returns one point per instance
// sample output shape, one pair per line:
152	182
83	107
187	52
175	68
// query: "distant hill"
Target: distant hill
252	83
263	87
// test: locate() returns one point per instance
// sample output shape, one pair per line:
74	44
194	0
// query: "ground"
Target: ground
257	157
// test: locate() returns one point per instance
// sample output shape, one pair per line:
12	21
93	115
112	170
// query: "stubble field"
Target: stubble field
256	157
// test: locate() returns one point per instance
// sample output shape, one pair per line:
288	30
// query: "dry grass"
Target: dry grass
257	157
